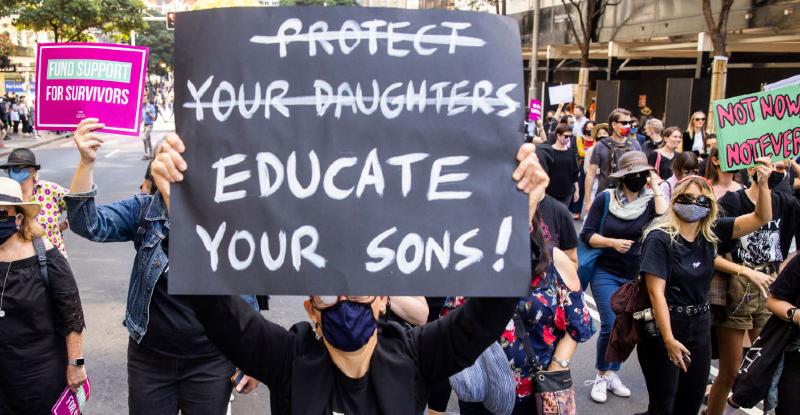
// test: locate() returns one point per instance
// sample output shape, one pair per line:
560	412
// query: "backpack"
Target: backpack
615	152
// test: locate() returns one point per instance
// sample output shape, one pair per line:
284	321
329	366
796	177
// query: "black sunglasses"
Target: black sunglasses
687	199
624	122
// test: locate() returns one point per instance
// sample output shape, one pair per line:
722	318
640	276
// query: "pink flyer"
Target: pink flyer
73	403
81	80
535	110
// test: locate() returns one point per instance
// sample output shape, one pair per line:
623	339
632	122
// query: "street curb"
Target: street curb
7	151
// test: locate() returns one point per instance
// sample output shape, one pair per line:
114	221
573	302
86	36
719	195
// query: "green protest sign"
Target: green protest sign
764	124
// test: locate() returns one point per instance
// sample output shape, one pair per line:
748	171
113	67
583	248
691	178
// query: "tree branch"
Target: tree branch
724	13
710	25
576	5
571	24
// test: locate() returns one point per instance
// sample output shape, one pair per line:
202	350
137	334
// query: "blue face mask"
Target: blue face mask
19	174
634	130
348	326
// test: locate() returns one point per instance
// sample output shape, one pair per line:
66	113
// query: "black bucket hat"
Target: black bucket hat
21	157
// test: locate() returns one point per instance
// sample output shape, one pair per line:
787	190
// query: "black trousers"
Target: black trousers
789	385
158	385
31	386
671	391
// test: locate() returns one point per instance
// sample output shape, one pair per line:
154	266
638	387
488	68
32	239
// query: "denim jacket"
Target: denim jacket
141	219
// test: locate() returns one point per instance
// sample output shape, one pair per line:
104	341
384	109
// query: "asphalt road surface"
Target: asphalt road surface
103	270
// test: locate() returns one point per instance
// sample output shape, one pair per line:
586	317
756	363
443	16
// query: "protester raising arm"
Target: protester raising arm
413	310
115	222
763	214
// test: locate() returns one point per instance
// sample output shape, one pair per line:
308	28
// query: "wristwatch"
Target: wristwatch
790	314
562	363
75	362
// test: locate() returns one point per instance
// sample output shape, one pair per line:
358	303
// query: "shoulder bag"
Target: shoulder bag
552	390
587	255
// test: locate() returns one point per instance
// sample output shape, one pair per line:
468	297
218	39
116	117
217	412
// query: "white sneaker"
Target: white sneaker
599	388
616	387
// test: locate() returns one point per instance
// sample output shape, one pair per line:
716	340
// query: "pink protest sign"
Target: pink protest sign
73	403
81	80
535	110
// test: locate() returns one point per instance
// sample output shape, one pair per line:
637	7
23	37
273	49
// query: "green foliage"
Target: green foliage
161	41
72	20
319	3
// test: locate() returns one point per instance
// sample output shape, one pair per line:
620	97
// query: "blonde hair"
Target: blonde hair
669	222
29	229
690	128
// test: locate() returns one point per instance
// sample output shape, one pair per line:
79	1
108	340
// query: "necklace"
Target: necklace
3	293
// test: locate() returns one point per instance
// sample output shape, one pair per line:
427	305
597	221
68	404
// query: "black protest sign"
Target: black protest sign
348	151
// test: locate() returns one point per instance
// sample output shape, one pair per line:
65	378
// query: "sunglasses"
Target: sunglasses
5	216
623	122
699	119
687	199
321	302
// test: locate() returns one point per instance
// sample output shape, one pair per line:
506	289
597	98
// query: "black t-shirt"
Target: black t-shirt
787	288
686	266
556	224
786	185
173	329
563	173
664	168
623	265
770	243
649	146
353	396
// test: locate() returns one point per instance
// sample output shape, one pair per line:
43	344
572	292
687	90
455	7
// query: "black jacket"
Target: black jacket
300	374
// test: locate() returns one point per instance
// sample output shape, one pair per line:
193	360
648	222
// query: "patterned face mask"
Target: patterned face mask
691	212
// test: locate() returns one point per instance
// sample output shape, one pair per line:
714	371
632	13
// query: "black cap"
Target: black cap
21	157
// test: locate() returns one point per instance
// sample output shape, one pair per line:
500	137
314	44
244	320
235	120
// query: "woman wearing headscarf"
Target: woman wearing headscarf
631	206
41	319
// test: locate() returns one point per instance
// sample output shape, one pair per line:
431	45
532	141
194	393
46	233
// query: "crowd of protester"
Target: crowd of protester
685	261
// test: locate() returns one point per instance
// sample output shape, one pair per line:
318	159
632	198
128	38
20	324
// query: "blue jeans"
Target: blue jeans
604	285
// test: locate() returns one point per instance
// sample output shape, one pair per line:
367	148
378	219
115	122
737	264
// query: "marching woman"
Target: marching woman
631	207
756	258
346	360
677	265
41	319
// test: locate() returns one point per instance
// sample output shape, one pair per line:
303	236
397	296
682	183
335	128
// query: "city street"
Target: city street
102	272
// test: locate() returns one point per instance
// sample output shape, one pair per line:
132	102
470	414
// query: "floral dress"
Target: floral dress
50	198
549	312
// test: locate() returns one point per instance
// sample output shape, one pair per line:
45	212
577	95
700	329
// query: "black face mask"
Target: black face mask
8	228
634	182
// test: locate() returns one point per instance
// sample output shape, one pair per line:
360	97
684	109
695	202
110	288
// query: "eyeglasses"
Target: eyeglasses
700	119
567	135
687	199
624	122
321	302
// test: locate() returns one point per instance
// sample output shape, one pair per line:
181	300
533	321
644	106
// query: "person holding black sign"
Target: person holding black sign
677	265
349	361
172	365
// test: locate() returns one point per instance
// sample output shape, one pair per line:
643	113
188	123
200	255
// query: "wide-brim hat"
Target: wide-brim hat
647	111
11	195
21	157
631	162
